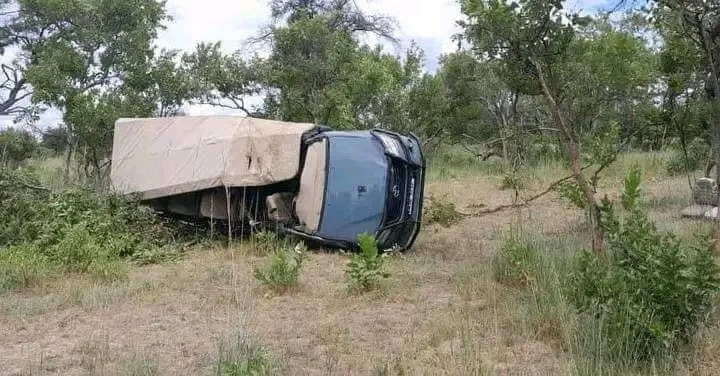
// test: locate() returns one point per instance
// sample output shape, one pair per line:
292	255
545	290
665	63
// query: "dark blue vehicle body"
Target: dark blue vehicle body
374	185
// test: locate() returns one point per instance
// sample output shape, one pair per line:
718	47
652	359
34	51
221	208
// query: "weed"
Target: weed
157	255
365	269
284	269
266	242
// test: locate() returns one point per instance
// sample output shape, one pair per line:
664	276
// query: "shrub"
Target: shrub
678	163
284	269
16	146
516	263
439	210
77	230
651	291
365	269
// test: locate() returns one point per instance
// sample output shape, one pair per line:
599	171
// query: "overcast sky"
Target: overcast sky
430	23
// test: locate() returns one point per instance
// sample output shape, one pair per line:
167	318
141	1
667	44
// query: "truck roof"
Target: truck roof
157	157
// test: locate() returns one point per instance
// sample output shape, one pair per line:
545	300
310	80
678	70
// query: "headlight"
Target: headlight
392	145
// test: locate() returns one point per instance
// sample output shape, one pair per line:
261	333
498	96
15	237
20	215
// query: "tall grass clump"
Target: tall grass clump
516	263
239	357
76	230
650	292
535	268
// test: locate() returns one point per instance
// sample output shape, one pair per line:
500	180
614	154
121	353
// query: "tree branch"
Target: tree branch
525	202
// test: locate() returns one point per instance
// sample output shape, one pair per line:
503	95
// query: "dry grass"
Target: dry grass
441	312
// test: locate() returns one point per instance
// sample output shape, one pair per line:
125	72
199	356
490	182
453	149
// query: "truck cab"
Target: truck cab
355	182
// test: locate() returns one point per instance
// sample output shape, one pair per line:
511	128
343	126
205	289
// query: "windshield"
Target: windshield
356	186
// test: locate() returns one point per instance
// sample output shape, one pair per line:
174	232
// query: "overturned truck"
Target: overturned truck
324	185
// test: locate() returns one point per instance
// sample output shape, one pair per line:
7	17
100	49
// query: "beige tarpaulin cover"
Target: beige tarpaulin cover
157	157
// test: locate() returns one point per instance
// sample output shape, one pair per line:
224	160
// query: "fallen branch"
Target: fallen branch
525	202
36	187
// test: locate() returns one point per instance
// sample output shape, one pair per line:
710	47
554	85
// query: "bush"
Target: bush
284	269
77	230
365	268
516	263
651	291
439	210
16	146
697	153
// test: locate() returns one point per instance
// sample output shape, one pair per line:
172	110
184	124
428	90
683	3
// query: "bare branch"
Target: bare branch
525	202
234	106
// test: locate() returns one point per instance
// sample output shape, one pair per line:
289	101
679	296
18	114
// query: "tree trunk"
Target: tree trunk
573	149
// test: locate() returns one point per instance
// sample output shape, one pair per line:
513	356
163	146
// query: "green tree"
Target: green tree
223	80
96	62
309	69
690	61
319	71
16	146
580	68
55	139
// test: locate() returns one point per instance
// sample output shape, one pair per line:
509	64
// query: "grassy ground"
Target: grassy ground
441	311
